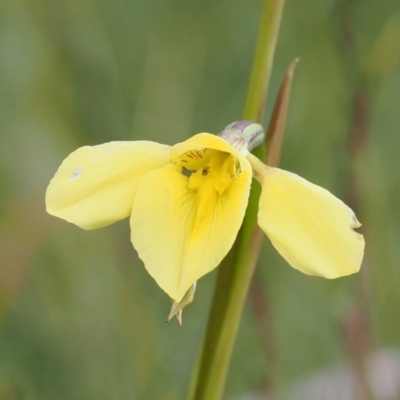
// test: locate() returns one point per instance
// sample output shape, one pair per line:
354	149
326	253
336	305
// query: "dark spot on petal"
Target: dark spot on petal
205	171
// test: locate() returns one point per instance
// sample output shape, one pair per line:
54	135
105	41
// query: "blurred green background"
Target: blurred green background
80	318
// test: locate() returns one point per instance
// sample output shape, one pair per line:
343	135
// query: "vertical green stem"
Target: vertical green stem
236	271
263	60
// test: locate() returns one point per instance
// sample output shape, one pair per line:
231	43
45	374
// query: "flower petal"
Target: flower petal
182	234
309	227
96	185
207	140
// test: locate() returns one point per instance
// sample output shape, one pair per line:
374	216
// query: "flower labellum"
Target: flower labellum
186	204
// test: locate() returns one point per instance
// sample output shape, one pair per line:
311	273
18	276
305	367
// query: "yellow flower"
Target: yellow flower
186	204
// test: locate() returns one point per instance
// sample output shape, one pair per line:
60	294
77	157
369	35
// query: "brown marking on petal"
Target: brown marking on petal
205	171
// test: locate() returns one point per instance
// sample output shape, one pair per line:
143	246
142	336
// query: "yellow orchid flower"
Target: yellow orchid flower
186	204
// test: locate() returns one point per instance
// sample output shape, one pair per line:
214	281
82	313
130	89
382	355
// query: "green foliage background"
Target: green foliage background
80	318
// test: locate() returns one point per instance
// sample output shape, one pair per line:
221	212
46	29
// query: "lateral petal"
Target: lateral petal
182	234
310	228
96	185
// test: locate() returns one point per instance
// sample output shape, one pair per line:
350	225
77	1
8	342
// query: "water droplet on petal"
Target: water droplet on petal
77	173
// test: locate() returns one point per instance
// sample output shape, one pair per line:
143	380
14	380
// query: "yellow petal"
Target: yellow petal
207	140
311	228
96	185
182	233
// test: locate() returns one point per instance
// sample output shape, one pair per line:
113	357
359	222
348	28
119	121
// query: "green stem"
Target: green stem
263	60
236	271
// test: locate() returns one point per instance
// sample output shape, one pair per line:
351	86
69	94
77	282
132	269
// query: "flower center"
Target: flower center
209	169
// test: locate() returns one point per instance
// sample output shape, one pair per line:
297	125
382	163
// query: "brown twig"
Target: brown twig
355	324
